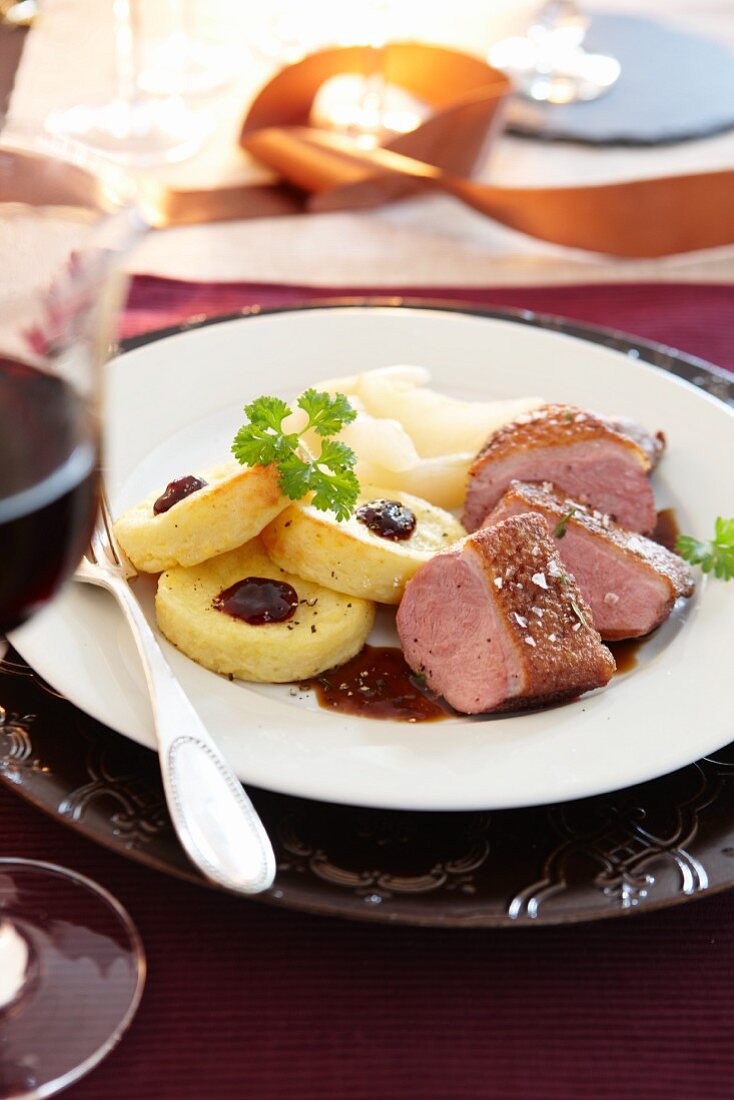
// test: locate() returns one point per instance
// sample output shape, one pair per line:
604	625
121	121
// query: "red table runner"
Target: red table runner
693	317
244	1000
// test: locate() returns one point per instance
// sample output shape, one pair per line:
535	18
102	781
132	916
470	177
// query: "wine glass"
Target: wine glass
362	107
550	63
71	963
132	128
200	54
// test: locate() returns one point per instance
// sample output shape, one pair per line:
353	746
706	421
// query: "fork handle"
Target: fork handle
216	823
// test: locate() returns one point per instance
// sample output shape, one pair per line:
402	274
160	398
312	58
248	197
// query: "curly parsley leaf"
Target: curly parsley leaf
326	415
335	487
262	441
294	476
716	556
270	412
329	476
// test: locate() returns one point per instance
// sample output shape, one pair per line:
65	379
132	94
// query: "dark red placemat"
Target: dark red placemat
693	317
246	1001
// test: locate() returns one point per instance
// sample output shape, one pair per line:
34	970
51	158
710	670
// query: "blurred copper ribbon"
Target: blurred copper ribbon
322	171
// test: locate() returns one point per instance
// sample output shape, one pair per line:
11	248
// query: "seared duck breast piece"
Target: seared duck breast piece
496	623
630	582
577	451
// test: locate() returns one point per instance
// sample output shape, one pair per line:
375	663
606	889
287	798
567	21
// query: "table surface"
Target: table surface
318	1008
68	58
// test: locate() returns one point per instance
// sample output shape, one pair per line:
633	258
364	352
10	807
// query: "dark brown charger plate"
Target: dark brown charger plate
652	845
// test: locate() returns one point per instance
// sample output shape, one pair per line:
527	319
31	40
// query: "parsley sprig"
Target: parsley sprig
329	475
716	556
560	528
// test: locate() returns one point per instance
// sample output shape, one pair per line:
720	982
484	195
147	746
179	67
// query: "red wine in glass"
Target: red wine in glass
71	964
48	464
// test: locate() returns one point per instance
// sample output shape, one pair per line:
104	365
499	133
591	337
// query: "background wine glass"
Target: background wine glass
71	962
133	128
550	62
197	51
362	107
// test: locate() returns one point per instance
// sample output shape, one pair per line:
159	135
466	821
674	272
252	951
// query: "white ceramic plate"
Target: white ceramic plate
174	405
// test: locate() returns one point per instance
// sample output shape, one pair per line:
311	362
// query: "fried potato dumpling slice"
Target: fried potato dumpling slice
327	628
349	556
232	508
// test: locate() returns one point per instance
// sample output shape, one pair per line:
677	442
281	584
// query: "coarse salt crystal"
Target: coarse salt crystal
576	626
551	637
538	611
498	582
611	598
520	620
539	579
530	641
553	569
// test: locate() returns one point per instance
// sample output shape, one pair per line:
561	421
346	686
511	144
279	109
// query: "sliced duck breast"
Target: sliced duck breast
577	451
630	582
653	445
495	623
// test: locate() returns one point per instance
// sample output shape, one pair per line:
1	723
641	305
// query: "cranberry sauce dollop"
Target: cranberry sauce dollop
377	683
388	518
258	600
176	491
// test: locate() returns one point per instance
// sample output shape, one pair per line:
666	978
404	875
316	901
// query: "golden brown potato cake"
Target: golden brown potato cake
233	507
326	629
350	557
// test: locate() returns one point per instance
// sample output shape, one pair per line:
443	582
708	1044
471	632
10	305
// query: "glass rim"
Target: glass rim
136	943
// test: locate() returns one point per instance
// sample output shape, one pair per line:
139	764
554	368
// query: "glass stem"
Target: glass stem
184	21
372	103
126	15
556	12
187	18
372	100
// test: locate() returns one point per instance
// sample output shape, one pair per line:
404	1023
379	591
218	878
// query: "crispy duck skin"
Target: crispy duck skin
577	451
494	623
630	582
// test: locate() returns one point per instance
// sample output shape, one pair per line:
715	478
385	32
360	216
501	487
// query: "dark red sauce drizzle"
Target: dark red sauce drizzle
258	600
176	491
666	529
387	518
625	653
377	683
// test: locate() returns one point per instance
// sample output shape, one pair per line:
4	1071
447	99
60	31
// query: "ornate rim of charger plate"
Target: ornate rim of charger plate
643	848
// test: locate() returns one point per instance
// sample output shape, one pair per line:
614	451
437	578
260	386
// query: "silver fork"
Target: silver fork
215	821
